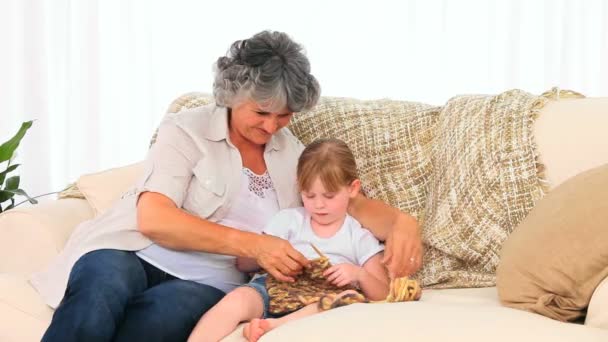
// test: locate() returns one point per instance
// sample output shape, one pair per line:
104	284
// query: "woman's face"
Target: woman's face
250	123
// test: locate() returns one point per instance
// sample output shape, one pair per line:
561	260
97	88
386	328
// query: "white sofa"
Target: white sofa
570	137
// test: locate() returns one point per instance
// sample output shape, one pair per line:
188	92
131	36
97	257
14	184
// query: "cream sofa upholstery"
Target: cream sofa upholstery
570	137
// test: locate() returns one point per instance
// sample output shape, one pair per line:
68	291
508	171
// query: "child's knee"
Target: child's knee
244	297
243	293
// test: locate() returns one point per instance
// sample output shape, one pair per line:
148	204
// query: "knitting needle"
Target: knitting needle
318	251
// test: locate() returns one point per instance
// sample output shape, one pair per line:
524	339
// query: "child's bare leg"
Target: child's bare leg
242	304
258	327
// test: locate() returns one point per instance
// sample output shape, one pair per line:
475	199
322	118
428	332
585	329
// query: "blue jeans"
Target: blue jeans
114	295
259	284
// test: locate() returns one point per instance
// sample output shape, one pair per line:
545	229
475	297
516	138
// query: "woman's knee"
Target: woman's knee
107	272
194	294
168	311
180	295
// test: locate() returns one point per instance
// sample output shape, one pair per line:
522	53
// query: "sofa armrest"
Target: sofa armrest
30	237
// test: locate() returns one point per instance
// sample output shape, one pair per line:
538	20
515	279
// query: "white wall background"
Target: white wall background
97	75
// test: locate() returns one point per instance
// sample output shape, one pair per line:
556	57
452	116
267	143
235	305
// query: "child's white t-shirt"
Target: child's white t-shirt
352	244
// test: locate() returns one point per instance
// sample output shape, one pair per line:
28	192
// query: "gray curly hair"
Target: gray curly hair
268	68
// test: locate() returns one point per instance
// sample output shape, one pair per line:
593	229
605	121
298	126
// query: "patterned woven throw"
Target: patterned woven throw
486	178
391	141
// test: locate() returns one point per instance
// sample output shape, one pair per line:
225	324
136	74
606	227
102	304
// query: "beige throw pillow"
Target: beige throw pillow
557	256
103	188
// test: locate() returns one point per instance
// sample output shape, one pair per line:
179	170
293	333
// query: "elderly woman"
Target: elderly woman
165	253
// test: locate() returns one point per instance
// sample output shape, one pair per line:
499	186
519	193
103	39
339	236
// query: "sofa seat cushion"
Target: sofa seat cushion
441	315
23	314
461	314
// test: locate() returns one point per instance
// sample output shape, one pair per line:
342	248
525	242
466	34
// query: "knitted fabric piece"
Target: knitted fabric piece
309	287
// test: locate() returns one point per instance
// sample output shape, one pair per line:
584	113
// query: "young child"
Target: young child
327	179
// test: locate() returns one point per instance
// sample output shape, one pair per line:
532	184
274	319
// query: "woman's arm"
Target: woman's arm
161	221
400	231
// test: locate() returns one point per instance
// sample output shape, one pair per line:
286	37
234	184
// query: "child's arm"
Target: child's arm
247	264
371	277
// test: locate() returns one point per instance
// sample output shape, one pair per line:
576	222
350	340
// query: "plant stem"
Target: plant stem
50	193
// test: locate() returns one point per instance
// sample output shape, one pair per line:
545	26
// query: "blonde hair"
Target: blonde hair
329	159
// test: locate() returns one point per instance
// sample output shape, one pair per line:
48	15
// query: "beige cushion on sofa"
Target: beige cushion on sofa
50	222
472	315
556	257
103	188
23	314
571	137
597	313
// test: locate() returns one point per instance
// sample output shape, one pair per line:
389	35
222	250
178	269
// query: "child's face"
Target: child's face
327	207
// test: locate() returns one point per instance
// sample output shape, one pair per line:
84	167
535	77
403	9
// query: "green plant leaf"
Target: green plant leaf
19	192
8	148
5	172
12	183
5	195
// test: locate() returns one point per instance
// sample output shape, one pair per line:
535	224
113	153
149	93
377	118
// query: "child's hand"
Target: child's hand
343	274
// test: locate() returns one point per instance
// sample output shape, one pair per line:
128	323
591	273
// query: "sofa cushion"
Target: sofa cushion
23	314
103	188
485	180
391	141
473	315
30	237
557	256
584	122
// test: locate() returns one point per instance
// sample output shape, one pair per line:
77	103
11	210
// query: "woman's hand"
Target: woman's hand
399	231
278	257
343	274
403	247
